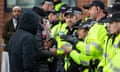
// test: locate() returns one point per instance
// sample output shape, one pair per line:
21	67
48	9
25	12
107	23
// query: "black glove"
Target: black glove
69	38
100	69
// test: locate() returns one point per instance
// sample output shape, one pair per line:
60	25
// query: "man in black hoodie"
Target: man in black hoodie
23	49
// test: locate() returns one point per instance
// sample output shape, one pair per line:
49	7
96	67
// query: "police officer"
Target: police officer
109	40
55	30
113	52
97	33
77	55
67	28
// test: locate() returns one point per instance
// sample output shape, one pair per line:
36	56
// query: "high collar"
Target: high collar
78	22
102	19
70	32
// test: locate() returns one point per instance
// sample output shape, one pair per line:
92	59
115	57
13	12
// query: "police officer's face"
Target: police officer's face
113	28
93	12
79	16
74	19
82	33
62	17
68	20
53	17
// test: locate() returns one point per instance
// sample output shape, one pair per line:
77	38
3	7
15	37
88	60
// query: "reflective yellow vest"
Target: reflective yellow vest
92	48
63	31
114	64
57	7
106	52
55	33
80	57
95	40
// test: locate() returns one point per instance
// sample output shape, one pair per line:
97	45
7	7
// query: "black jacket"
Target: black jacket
40	11
43	54
23	49
8	30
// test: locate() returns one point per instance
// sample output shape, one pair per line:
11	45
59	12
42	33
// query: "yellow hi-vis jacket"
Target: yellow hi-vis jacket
57	6
95	40
113	64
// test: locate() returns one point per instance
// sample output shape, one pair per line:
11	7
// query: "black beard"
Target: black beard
16	17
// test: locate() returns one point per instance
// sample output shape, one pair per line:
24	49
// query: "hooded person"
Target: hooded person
23	49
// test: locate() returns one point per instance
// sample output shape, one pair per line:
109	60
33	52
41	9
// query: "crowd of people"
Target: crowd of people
54	37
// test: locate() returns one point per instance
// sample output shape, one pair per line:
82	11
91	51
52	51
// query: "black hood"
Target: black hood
29	21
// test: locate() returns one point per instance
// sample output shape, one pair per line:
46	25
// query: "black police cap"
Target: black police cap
69	11
84	25
115	17
95	3
77	10
63	8
115	7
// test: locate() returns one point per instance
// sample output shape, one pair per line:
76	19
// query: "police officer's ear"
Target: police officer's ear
64	16
98	9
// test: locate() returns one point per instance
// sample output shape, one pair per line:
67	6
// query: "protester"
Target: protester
23	49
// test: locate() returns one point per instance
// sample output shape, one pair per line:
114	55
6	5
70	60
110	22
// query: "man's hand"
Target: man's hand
53	50
67	49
